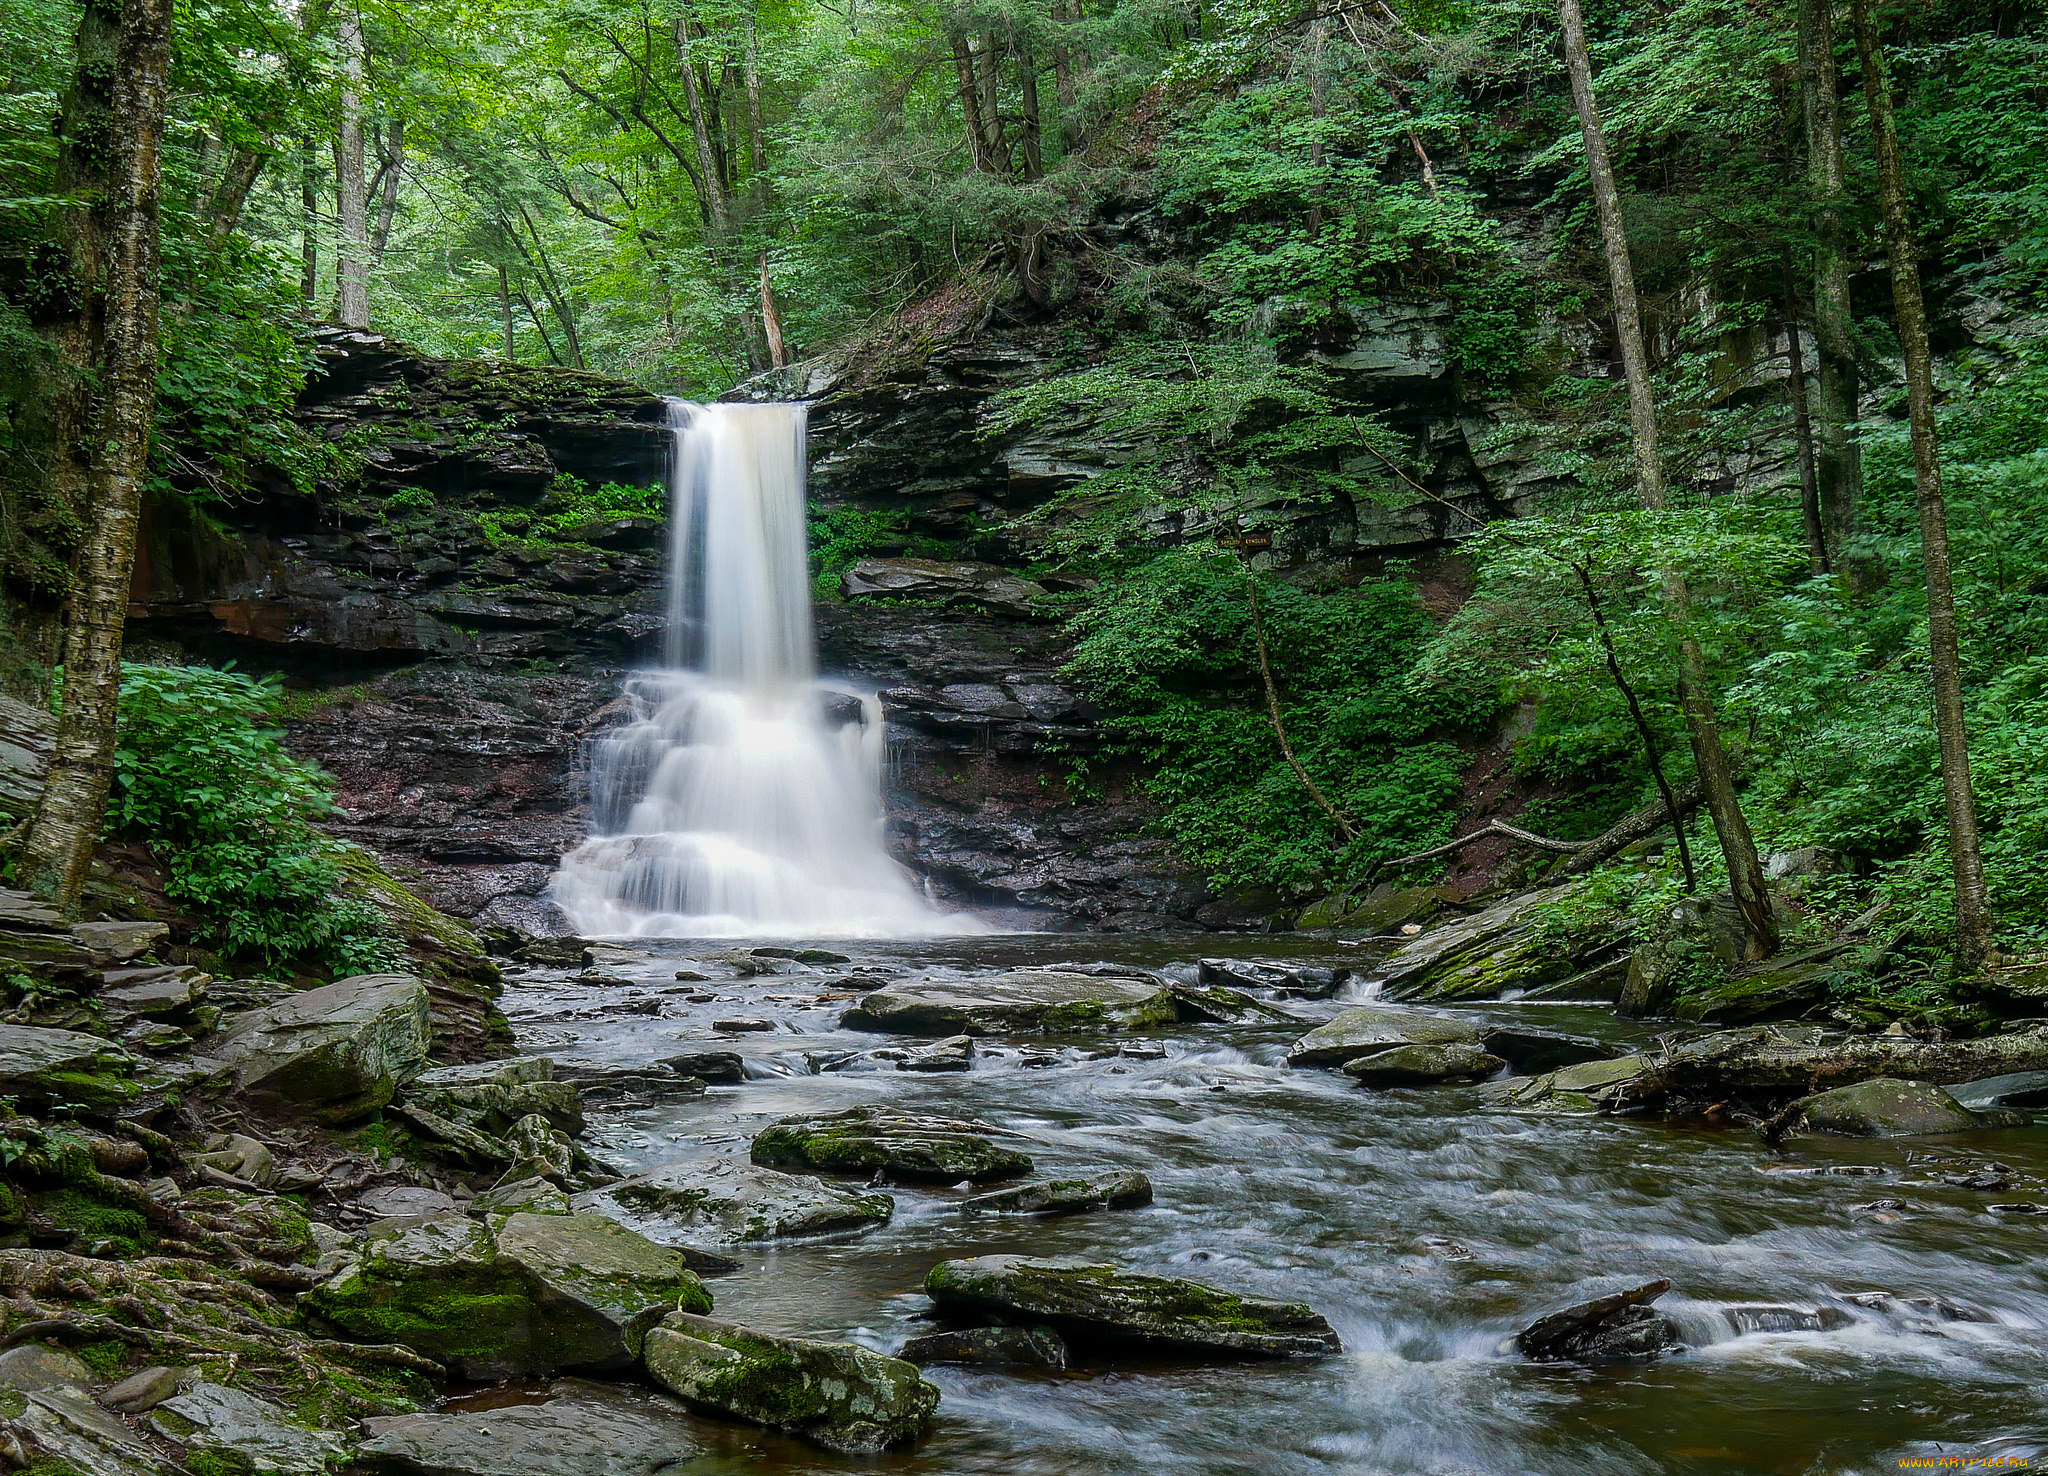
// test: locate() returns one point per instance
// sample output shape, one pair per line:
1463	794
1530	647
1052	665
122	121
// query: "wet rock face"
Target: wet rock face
863	1140
1621	1324
742	1202
583	1429
1037	1001
1367	1030
338	1051
1085	1300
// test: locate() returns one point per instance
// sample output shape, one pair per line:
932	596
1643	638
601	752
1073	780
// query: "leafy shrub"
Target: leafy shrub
200	773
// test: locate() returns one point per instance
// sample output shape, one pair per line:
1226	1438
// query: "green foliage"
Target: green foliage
200	772
566	515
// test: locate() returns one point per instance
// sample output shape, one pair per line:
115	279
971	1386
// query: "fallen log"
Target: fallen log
1585	854
1772	1062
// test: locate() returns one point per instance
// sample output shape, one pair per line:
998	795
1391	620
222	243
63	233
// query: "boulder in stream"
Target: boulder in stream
1423	1065
1022	1002
1885	1107
582	1429
1365	1030
903	1145
509	1296
336	1052
1121	1189
1298	982
1586	1087
1617	1324
1476	957
837	1395
1532	1051
1103	1303
1022	1347
1216	1005
742	1201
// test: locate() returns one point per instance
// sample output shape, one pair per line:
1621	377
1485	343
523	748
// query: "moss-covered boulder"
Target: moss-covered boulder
903	1145
1102	1303
742	1201
1120	1189
337	1052
242	1431
509	1296
1368	1029
1502	948
42	1068
1885	1107
490	1096
1024	1002
1585	1087
838	1395
1422	1065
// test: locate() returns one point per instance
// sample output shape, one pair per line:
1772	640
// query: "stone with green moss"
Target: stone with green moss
252	1434
338	1052
1024	1002
1103	1304
1582	1088
1885	1107
509	1296
1119	1189
903	1145
837	1395
490	1096
43	1068
46	1394
741	1201
1366	1029
1422	1065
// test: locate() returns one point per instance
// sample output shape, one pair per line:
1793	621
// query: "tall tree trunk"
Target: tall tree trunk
970	105
1973	912
1063	81
505	309
1027	88
351	190
388	175
1837	460
711	176
771	320
309	237
231	193
757	164
987	69
65	829
1802	436
1710	755
551	288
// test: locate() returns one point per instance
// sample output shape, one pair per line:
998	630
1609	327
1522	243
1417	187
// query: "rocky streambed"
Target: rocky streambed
1835	1304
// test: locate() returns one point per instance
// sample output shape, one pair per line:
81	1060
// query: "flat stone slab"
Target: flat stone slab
863	1139
584	1429
2015	1089
743	1201
1423	1065
1018	1347
223	1421
1411	967
1083	1299
1125	1189
1024	1002
40	1066
837	1395
1534	1051
1367	1029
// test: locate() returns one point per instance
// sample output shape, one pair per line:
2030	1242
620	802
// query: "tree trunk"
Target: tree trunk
711	177
1027	87
988	67
309	237
69	817
351	191
1625	832
387	177
552	289
1973	913
1063	82
757	165
1802	435
505	309
771	320
970	105
230	194
1738	847
1837	461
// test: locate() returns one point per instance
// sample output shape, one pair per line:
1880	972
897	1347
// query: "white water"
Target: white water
738	802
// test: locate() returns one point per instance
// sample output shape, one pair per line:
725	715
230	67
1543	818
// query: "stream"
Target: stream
1428	1225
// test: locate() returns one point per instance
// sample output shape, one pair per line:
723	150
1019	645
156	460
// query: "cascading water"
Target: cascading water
743	799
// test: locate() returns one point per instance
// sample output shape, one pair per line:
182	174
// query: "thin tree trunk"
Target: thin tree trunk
1315	792
231	194
1710	756
1973	912
711	175
988	67
1642	723
757	164
309	237
771	320
351	191
1027	88
1802	435
505	309
1063	82
388	177
551	288
1837	460
65	830
970	106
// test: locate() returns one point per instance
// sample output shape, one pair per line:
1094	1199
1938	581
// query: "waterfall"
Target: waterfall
743	796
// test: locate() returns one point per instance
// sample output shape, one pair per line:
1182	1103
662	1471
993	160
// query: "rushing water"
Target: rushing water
1428	1225
743	797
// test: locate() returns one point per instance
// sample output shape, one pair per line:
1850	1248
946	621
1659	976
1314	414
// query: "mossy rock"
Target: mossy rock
338	1052
1023	1002
1105	1304
902	1144
837	1395
745	1202
43	1068
510	1296
1885	1107
1366	1029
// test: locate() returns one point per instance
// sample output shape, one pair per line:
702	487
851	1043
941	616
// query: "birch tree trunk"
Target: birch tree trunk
66	826
1710	754
1965	846
351	190
1838	470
